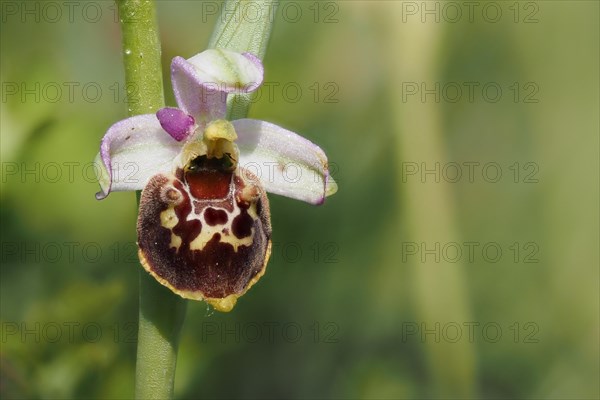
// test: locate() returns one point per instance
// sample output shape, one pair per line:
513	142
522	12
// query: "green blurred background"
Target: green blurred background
395	288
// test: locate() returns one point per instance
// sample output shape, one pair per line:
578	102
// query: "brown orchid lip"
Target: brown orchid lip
205	232
224	304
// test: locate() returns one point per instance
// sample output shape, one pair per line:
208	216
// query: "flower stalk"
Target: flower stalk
161	313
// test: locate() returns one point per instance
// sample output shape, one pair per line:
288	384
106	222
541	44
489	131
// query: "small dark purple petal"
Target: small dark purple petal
177	123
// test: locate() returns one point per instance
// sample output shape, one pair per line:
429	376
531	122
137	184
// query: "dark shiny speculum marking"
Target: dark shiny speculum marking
186	229
242	225
215	217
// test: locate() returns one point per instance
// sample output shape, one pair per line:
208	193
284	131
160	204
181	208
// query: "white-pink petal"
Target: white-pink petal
131	152
286	163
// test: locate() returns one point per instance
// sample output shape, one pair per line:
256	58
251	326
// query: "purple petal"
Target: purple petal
202	83
177	123
132	151
285	163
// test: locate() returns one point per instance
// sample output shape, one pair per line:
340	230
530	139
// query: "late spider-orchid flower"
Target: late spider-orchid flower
204	227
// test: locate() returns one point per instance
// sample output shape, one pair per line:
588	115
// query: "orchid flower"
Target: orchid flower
204	228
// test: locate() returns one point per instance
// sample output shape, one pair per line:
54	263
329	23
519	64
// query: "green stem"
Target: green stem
161	316
161	312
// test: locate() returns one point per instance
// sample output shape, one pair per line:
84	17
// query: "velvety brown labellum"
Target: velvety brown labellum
205	232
